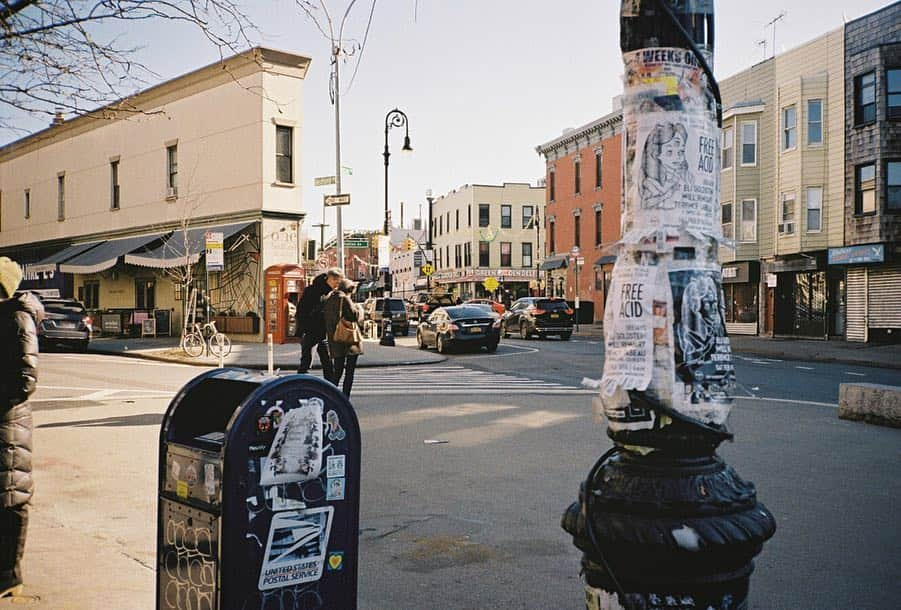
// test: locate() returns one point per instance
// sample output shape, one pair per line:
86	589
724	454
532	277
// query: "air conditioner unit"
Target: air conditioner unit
172	191
787	227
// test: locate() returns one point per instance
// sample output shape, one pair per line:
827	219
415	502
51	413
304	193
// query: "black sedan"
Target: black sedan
459	326
65	322
539	316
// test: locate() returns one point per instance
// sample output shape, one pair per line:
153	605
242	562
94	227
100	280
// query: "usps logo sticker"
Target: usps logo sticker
296	548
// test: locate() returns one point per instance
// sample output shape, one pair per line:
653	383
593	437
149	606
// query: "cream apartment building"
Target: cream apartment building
488	231
114	208
782	191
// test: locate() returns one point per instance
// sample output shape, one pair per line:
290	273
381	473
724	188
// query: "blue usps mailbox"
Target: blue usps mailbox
259	495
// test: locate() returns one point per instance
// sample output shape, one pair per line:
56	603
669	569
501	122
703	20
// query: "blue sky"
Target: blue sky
482	81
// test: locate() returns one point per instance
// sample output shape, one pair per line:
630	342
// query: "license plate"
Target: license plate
476	330
66	324
555	315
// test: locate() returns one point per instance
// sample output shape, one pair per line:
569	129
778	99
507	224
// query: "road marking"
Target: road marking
759	362
449	380
108	398
855	374
805	368
789	400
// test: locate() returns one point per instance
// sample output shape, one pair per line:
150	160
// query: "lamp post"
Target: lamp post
661	519
536	220
428	247
394	118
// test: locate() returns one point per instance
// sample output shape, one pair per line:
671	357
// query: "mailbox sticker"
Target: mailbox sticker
335	431
335	490
181	488
296	452
296	549
334	466
335	561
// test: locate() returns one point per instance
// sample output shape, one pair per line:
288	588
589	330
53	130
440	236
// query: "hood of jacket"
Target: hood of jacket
24	301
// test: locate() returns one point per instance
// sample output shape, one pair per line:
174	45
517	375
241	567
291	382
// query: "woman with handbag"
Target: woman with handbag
345	341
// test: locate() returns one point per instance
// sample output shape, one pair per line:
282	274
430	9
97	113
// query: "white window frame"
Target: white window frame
782	227
807	209
742	139
809	122
783	145
743	222
727	144
730	234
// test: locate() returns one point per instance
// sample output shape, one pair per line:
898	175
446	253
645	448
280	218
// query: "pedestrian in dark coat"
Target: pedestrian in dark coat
19	317
339	305
311	324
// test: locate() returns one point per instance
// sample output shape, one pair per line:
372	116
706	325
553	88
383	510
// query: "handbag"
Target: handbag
347	332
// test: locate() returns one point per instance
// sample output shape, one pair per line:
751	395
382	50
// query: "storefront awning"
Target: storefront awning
182	247
105	254
50	263
553	262
605	260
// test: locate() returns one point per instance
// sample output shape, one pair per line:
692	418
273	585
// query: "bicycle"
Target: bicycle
193	341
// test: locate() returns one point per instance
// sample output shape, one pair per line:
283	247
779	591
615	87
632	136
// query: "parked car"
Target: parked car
539	316
66	322
459	326
374	308
424	303
498	308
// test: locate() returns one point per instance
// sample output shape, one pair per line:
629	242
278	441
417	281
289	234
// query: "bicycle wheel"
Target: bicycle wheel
220	344
192	344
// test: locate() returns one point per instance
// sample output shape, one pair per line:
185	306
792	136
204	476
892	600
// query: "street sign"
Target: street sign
491	284
427	269
324	180
215	255
575	251
580	261
332	200
356	243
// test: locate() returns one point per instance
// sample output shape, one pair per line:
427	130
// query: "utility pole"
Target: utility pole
321	226
339	226
428	240
661	519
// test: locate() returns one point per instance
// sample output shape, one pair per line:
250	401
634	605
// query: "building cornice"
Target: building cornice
598	129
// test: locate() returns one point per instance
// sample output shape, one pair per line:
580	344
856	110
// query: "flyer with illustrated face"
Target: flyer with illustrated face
296	548
296	452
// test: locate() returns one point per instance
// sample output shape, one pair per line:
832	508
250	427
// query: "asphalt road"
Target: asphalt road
473	521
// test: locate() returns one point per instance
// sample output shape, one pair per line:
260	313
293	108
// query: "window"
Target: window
447	255
726	219
506	254
577	231
598	238
27	203
551	237
172	169
527	212
893	186
789	128
726	160
114	185
284	147
749	143
748	220
526	254
440	222
598	168
467	254
506	216
61	197
893	93
577	177
484	215
457	221
787	214
814	122
484	252
145	294
814	209
865	98
551	182
458	256
865	189
89	294
598	279
469	215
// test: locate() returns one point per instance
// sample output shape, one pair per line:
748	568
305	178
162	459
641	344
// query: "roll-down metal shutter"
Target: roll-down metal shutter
885	297
856	304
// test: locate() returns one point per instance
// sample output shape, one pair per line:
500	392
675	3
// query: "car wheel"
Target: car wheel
442	344
565	336
82	346
524	330
504	331
420	342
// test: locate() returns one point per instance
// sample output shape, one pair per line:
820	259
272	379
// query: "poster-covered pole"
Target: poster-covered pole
661	519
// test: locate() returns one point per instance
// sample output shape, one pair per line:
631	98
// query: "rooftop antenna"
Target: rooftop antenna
776	19
762	43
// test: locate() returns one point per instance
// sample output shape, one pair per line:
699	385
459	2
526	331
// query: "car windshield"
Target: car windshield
468	311
393	305
70	307
552	304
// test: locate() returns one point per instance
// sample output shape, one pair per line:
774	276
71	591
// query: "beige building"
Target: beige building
114	207
486	231
782	181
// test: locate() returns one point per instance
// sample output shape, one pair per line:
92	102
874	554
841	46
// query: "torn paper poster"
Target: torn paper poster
628	327
296	452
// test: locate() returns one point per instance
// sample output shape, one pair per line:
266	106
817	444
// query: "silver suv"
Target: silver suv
373	309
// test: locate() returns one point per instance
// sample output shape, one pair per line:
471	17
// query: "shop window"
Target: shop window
89	294
484	215
749	143
577	231
748	220
789	128
598	168
726	219
528	212
893	93
608	277
741	303
865	98
114	185
865	189
526	254
814	209
484	254
284	149
893	186
598	238
787	214
814	122
550	185
551	237
726	148
577	177
506	216
506	254
145	294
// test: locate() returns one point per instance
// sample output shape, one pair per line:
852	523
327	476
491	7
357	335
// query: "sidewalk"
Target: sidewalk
255	355
838	351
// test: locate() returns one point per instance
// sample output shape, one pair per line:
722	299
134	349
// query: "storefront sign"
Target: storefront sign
789	266
740	273
855	255
771	280
215	254
482	274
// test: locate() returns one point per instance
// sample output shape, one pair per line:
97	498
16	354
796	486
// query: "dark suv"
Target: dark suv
539	316
424	303
65	322
374	309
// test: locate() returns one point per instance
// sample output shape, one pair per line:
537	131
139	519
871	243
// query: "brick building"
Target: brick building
584	194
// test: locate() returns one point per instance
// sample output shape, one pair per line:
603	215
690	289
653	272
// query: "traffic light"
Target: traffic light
410	244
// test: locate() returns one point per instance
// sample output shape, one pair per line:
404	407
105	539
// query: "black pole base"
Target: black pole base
387	335
671	527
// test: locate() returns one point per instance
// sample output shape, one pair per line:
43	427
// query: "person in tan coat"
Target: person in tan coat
344	356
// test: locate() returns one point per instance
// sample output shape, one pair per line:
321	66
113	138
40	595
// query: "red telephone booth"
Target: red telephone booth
284	285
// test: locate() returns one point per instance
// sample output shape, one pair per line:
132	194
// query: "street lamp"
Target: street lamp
428	247
394	118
